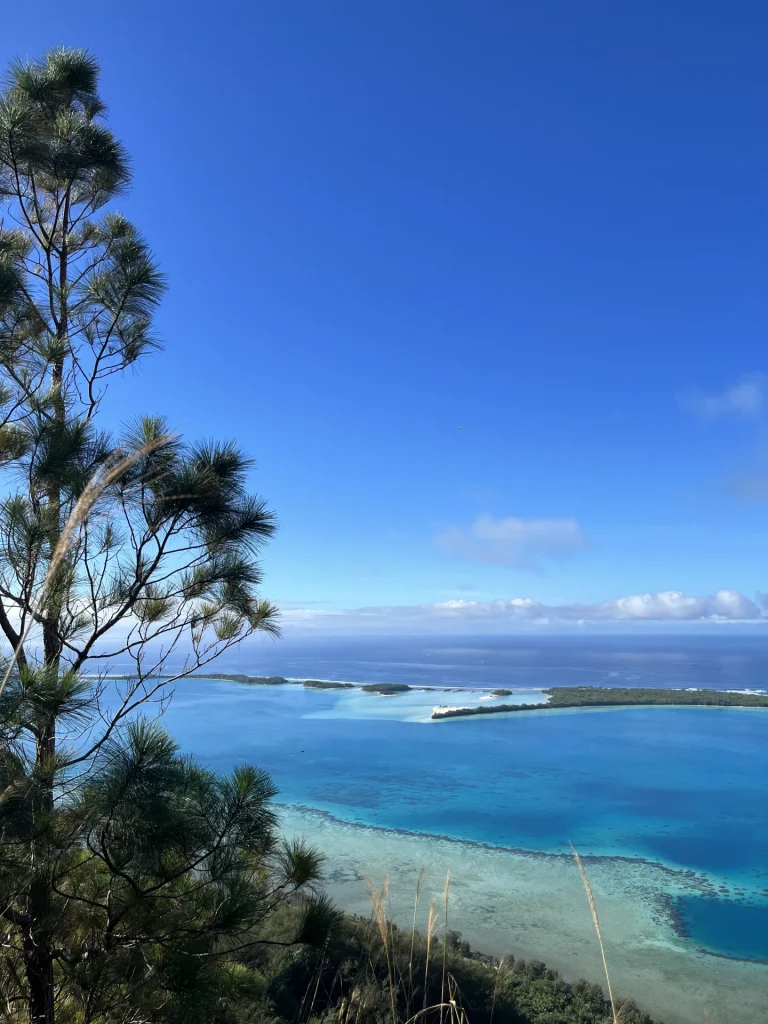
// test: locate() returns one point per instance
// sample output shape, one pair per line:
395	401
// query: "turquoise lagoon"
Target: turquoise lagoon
669	806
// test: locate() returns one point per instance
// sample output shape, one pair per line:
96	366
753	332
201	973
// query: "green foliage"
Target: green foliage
171	546
584	696
327	684
248	680
164	873
348	979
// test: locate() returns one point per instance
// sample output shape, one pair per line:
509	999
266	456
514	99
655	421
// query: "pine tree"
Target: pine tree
129	876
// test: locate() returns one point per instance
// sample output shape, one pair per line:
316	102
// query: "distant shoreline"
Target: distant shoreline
554	698
380	688
563	697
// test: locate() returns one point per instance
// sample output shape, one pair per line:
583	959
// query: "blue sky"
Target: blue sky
482	287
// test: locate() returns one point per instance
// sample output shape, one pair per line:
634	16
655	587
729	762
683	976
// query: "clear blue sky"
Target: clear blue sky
482	286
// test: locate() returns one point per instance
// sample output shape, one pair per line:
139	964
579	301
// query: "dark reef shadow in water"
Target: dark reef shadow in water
673	908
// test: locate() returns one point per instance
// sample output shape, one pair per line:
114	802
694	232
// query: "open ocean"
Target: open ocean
706	661
677	793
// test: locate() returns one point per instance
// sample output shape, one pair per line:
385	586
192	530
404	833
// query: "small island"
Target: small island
385	689
248	680
326	684
598	696
502	693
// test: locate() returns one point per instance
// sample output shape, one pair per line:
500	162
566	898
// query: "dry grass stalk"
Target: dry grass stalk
446	899
390	921
413	935
383	924
379	902
455	1008
452	1004
95	487
425	1010
317	982
430	935
596	922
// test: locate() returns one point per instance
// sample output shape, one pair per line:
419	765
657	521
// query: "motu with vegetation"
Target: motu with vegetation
310	684
327	684
385	689
248	680
597	696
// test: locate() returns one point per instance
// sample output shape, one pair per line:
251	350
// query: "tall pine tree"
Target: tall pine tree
128	875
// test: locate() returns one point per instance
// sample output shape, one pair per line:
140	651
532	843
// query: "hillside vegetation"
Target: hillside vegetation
372	971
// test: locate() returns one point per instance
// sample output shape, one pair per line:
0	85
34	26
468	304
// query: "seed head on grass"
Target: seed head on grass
380	901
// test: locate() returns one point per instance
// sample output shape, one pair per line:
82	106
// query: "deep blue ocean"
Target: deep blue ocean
706	661
683	787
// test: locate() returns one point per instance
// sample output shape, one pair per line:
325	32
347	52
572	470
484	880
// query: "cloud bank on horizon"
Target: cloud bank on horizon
668	606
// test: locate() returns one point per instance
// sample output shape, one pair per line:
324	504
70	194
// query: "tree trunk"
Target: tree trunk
38	957
38	964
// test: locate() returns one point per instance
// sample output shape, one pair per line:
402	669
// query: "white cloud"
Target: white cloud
523	612
676	606
746	398
510	541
